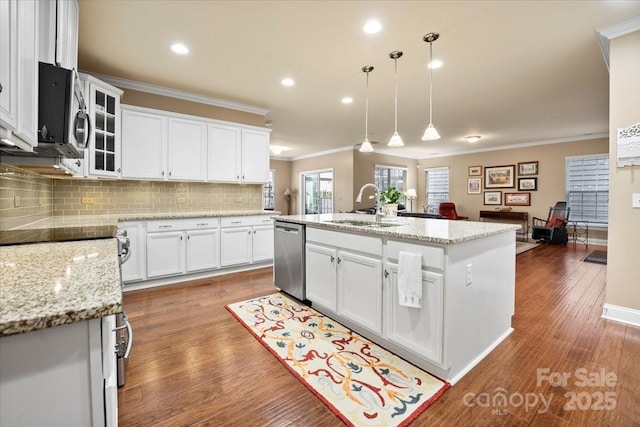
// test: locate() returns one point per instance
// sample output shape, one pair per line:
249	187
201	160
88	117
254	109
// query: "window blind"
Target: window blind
389	176
587	186
437	187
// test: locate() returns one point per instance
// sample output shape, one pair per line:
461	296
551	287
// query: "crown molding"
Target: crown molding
322	153
606	34
178	94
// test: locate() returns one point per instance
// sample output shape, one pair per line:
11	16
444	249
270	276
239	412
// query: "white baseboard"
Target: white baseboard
481	356
626	315
152	283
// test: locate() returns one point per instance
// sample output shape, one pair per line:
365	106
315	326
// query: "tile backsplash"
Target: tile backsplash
118	197
26	197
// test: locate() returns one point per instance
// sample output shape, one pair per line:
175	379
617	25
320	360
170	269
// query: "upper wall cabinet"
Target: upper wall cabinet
19	72
170	146
155	146
58	41
238	155
103	153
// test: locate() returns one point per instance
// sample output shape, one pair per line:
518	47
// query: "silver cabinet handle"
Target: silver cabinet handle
236	222
181	237
202	224
386	273
238	177
165	226
254	231
188	237
332	259
162	173
249	231
169	173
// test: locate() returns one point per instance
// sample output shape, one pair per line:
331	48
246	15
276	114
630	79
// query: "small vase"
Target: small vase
390	209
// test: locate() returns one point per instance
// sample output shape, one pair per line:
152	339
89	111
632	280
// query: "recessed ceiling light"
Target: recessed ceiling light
179	48
372	26
287	82
347	100
473	138
436	63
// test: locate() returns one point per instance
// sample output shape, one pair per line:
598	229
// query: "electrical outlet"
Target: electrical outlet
469	277
635	200
181	200
88	200
17	201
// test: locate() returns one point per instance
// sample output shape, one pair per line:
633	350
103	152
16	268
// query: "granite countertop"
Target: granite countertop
442	231
51	284
113	219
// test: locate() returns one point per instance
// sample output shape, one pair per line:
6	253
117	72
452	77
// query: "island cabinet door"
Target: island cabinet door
321	275
417	329
360	290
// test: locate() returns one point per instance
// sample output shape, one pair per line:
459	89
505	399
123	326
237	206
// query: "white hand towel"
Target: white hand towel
410	279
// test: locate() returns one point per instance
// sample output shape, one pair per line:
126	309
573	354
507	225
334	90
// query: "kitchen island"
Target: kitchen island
57	359
468	284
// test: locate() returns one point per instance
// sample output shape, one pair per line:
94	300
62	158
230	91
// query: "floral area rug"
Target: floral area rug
362	383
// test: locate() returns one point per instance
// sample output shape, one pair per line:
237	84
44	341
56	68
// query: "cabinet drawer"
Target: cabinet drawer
243	221
432	256
182	224
365	244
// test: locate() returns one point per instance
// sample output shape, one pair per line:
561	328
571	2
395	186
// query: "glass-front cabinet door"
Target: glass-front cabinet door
103	153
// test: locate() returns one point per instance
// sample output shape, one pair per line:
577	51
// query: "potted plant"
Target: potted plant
389	199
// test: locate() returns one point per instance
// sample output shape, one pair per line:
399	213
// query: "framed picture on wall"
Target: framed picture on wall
493	197
475	170
527	184
517	199
474	185
499	176
528	168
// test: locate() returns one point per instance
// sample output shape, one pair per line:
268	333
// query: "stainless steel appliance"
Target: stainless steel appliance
289	260
123	330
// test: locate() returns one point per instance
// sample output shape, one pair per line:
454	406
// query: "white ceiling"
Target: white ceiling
514	72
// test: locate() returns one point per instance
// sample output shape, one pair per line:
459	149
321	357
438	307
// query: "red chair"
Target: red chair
448	211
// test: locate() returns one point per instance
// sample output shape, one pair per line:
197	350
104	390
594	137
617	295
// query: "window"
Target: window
436	182
268	192
390	176
588	188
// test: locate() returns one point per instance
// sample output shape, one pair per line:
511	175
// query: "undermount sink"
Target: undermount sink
370	224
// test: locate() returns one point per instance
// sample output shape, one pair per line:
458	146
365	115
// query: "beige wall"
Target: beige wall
342	165
623	260
283	180
551	175
149	100
364	172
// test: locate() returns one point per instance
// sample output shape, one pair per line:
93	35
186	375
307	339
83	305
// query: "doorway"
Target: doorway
318	192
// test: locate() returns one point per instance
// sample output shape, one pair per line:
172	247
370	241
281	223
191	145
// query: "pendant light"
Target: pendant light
366	145
396	140
430	134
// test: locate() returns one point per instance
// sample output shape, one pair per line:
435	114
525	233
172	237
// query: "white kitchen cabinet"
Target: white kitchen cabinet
134	268
165	253
104	150
182	246
19	72
236	246
321	279
262	243
246	240
67	40
223	156
203	249
237	155
60	376
417	329
187	145
144	141
360	276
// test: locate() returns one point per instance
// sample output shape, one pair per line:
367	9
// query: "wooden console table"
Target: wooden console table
521	218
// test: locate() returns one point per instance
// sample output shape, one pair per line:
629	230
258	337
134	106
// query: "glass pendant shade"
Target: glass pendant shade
430	134
396	140
366	147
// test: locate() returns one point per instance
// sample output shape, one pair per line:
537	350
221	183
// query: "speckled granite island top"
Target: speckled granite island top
50	284
441	231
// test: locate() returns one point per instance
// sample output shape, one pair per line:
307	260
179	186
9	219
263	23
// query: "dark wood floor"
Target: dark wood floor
193	364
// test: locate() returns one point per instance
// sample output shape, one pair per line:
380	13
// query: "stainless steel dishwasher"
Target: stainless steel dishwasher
289	270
